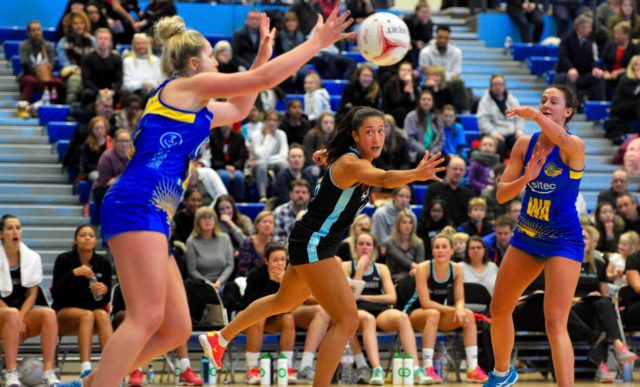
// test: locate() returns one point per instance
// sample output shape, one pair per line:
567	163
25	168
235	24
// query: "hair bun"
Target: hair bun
169	27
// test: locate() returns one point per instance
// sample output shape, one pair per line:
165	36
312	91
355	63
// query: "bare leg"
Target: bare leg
316	326
516	272
427	321
369	337
77	321
284	324
394	320
469	327
9	322
561	275
103	325
42	321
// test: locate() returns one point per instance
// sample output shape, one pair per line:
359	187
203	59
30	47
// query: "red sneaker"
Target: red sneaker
212	348
189	378
477	375
292	376
252	377
135	378
431	372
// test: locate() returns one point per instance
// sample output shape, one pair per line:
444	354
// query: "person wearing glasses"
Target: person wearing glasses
111	164
619	185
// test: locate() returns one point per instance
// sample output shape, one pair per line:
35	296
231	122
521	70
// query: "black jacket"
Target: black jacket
244	50
69	291
237	150
609	55
573	54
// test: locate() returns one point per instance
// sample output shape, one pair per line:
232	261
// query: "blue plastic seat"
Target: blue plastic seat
419	192
597	110
538	65
250	209
11	48
61	147
469	122
50	113
334	86
60	130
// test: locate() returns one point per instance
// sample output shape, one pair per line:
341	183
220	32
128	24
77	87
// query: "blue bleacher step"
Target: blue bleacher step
41	210
12	178
520	94
493	68
12	121
20	131
49	232
458	36
490	62
36	244
35	189
464	44
57	221
25	149
481	55
520	78
480	83
606	168
39	199
43	158
7	139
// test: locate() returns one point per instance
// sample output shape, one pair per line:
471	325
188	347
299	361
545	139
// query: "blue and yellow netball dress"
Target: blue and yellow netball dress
548	224
149	190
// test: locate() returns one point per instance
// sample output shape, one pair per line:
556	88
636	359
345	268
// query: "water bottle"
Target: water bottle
627	372
408	370
265	370
93	280
213	376
54	94
398	370
445	361
347	371
46	96
282	367
151	375
177	372
437	364
204	369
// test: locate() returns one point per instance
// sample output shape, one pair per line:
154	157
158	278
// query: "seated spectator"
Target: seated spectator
183	220
403	249
434	80
441	51
76	43
316	102
619	185
315	320
102	68
603	13
429	313
362	90
127	118
206	180
433	219
81	292
97	18
285	214
610	227
628	245
294	171
156	10
423	129
477	224
331	64
594	307
73	6
140	68
460	240
476	266
307	12
245	40
631	301
37	58
628	12
224	55
454	138
228	155
252	249
262	281
395	153
514	208
576	65
209	255
111	164
254	123
627	207
347	249
482	164
626	100
20	317
295	121
267	152
617	55
494	209
420	28
451	190
96	144
400	93
492	117
290	36
564	11
384	217
375	309
238	226
525	14
319	136
121	22
498	241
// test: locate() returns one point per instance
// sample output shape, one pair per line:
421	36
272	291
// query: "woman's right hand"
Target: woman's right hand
535	164
83	271
320	157
428	167
330	31
226	219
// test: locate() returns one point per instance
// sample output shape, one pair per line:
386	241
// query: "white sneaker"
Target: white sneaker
11	378
50	378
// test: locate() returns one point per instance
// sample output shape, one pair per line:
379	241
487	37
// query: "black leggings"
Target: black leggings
631	315
599	313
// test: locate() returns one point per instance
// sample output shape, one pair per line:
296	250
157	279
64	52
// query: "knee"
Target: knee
87	318
11	317
100	316
555	324
49	316
368	322
500	309
433	315
288	323
150	321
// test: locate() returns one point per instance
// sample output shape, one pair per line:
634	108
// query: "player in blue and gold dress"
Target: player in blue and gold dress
548	165
138	209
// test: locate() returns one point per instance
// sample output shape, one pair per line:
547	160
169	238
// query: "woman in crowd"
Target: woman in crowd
251	252
233	223
81	293
626	101
97	18
316	99
75	44
347	249
432	220
395	153
141	69
423	129
476	267
290	36
435	81
20	317
94	146
627	245
295	123
362	90
183	219
224	55
403	250
400	93
128	116
609	225
318	137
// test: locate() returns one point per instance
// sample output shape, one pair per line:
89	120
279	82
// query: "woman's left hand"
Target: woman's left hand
523	112
320	157
460	316
267	38
99	289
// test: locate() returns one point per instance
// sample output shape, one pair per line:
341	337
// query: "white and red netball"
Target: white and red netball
383	39
31	370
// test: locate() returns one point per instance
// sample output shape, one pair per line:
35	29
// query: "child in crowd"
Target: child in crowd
454	137
295	123
460	240
254	123
316	97
482	163
477	224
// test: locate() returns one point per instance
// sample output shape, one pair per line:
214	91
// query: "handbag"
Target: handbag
44	71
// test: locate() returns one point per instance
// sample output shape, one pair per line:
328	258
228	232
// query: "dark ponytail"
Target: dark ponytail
351	122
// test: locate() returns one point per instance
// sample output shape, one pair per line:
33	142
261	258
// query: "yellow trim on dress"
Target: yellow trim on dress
575	174
154	106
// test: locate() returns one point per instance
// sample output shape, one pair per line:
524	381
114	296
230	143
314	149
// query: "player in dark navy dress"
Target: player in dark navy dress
313	242
138	209
548	165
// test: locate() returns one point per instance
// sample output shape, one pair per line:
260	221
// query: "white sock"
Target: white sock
185	363
307	360
289	355
472	357
360	360
427	357
500	374
252	359
222	340
85	365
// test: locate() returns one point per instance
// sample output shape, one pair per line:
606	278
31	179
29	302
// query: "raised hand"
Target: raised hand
535	164
320	157
428	167
330	31
267	38
523	112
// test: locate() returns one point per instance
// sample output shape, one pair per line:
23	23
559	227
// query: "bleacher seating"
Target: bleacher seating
50	113
523	51
15	65
538	65
11	48
597	110
61	148
19	33
60	130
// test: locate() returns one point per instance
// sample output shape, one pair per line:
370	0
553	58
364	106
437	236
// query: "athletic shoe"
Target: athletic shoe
377	377
12	378
292	376
603	375
420	377
189	378
252	376
477	375
50	378
363	374
624	356
431	372
306	375
502	381
212	349
597	348
71	383
135	378
85	373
